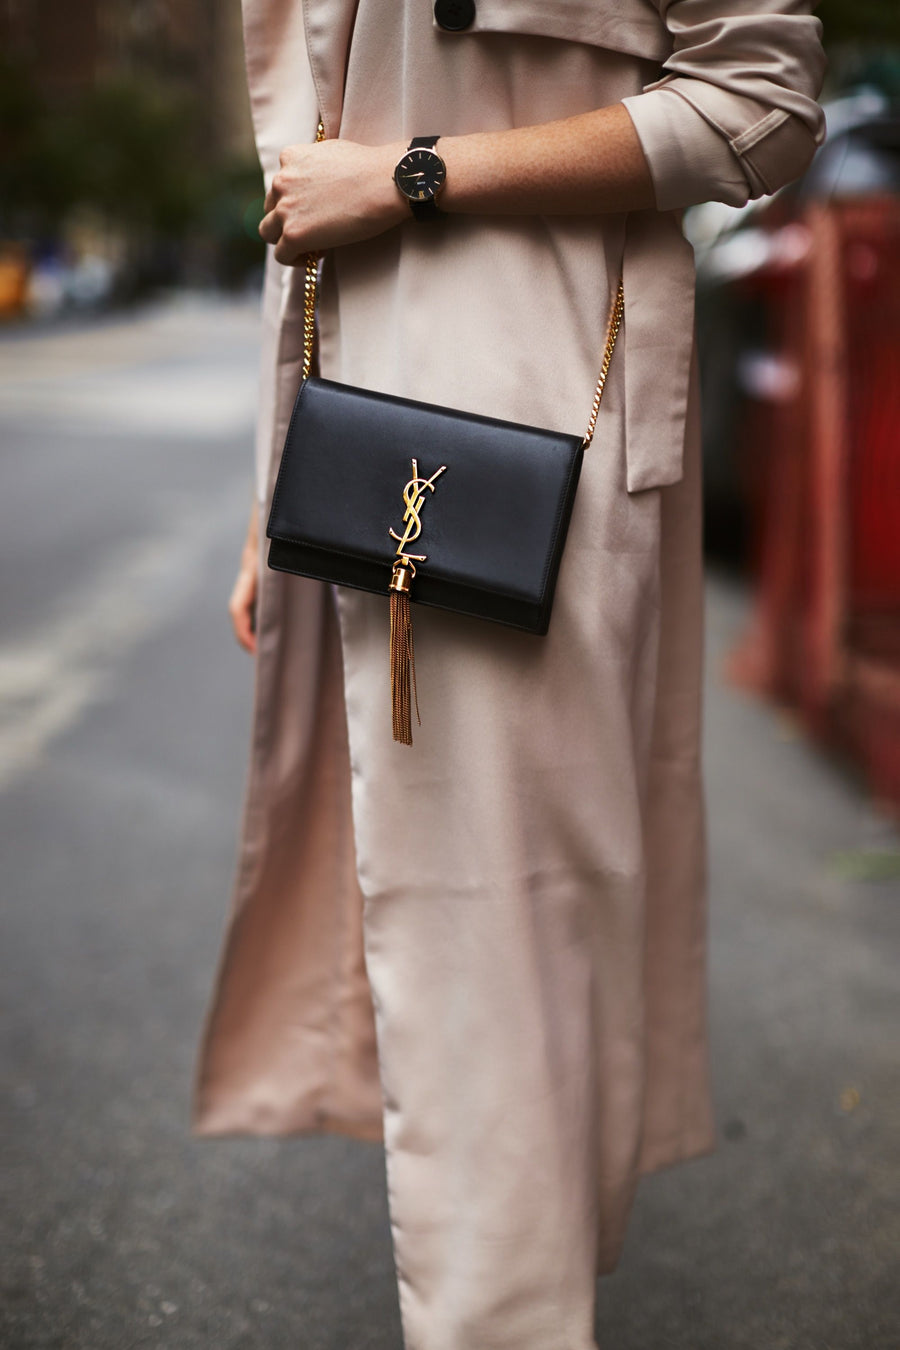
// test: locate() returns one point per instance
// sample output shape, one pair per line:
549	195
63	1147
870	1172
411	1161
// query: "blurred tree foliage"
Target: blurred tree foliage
128	150
863	41
873	21
136	160
120	147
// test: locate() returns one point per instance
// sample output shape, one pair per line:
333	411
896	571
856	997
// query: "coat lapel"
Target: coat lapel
283	98
329	28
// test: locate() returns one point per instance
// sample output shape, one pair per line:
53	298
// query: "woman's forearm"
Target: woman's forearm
339	192
580	165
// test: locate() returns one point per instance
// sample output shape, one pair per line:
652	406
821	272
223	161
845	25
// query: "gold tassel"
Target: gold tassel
403	656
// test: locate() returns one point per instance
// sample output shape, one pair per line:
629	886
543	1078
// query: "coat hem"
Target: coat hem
688	1149
203	1126
215	1126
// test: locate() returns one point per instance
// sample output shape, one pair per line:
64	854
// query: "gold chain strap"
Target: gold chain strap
612	332
309	327
309	293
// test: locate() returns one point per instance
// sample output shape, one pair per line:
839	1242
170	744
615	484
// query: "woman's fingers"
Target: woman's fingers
242	607
288	250
270	227
330	194
284	235
288	247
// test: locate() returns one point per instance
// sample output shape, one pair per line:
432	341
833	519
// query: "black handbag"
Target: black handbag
412	500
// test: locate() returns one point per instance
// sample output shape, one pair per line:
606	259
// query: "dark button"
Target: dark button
454	15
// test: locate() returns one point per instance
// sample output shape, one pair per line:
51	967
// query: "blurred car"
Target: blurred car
799	340
13	280
745	259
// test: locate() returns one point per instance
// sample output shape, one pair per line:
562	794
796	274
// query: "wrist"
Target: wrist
389	203
474	162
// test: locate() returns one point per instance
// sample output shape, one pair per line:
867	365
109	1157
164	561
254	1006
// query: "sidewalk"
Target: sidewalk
117	832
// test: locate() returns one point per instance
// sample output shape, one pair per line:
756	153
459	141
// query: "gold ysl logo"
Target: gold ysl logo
413	499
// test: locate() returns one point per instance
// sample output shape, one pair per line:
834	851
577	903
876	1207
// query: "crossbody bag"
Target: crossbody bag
423	503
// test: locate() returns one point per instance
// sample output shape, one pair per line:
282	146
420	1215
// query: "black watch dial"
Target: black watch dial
420	175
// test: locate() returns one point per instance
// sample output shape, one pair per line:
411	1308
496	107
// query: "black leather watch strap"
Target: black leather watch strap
424	210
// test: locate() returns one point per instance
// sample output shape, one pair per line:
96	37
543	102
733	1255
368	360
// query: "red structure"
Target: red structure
826	631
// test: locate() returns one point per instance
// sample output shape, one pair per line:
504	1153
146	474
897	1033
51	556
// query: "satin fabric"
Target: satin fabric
491	947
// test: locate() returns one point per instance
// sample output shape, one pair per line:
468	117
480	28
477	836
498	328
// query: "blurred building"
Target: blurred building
126	152
192	44
799	336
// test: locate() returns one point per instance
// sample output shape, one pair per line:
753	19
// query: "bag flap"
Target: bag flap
495	519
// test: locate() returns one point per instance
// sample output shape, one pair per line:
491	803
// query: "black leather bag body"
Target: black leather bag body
416	501
492	527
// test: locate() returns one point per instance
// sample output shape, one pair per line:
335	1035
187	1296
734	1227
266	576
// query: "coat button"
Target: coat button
454	15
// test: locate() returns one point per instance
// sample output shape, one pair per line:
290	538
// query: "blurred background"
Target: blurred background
126	154
799	337
129	291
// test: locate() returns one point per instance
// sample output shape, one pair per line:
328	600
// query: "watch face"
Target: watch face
420	175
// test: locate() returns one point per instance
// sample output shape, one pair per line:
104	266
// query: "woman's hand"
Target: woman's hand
338	192
331	193
242	604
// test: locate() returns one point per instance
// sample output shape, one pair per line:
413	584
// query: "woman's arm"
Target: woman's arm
577	166
242	603
734	117
338	192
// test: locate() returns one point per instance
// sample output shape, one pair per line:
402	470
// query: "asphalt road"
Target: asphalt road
125	451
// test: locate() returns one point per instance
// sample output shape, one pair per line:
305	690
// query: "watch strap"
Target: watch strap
424	210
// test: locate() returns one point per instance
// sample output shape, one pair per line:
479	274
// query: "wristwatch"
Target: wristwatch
420	174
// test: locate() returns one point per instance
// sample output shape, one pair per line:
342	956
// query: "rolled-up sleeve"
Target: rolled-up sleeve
735	115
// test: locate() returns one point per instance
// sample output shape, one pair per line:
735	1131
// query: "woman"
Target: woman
505	922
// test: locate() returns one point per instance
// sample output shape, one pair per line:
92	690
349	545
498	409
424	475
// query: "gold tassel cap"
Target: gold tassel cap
403	656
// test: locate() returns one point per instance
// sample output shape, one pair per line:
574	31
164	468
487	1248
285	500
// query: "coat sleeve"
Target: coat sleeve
735	115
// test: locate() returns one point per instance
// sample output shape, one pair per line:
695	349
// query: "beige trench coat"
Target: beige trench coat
491	947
